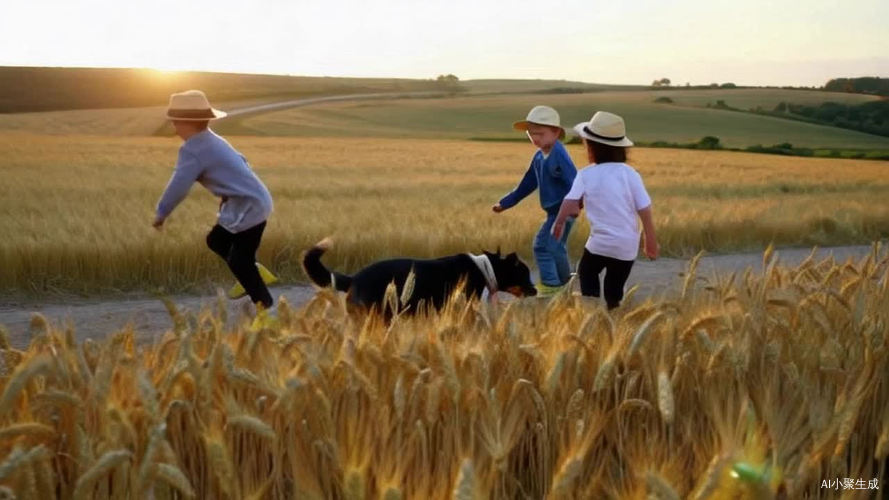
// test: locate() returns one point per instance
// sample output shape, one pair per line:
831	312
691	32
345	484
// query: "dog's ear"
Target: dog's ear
513	257
498	250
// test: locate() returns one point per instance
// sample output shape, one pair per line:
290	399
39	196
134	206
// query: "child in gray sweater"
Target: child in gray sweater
245	204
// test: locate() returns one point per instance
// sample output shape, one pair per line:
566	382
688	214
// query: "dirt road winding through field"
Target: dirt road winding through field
295	103
149	318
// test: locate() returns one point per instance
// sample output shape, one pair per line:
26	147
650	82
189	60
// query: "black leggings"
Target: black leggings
616	273
238	250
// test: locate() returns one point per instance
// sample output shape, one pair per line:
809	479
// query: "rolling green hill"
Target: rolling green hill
131	101
491	117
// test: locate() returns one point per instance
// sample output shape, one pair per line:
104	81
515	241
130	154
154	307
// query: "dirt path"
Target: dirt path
295	103
149	317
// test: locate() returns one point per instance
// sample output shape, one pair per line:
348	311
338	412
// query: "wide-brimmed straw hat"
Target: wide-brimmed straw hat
192	105
606	128
541	115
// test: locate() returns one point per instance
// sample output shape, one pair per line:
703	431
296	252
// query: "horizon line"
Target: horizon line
292	75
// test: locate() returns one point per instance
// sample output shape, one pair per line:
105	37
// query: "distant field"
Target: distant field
130	102
143	121
752	98
538	85
492	116
24	89
76	211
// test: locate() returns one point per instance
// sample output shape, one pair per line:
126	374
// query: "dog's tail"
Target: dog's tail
319	274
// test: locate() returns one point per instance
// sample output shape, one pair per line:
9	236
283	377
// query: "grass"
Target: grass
492	116
751	386
76	211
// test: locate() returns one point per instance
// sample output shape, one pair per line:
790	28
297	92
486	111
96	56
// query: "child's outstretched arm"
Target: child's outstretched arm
187	171
648	237
569	208
525	187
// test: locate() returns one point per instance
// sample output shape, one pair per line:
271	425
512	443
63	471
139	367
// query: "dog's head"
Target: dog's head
512	274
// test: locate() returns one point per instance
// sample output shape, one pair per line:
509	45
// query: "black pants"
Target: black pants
616	273
238	250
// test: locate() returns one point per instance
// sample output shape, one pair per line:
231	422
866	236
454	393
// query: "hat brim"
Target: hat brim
523	126
621	143
217	114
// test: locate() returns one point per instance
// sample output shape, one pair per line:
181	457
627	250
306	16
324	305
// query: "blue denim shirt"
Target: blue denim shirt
553	175
210	160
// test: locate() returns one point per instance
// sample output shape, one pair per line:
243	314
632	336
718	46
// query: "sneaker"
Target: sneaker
544	290
265	319
237	291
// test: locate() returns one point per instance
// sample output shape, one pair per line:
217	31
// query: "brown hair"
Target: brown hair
603	153
198	125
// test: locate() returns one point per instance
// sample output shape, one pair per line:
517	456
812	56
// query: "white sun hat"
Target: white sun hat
192	105
541	115
606	128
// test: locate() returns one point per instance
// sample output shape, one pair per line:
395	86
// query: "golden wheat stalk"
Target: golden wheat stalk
464	486
174	477
22	458
106	463
642	333
665	400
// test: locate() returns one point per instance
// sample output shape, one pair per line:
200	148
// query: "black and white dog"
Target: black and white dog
434	279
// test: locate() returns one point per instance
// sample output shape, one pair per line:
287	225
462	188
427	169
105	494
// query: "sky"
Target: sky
747	42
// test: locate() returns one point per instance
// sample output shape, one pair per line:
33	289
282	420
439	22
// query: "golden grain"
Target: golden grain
451	404
665	401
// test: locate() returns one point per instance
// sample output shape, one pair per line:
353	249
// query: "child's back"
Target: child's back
613	194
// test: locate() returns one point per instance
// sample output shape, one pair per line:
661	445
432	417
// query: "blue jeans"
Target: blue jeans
552	254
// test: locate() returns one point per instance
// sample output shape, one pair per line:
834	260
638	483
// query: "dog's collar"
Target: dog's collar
484	265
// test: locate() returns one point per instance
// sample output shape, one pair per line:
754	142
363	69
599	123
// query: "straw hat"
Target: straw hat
192	105
541	115
606	128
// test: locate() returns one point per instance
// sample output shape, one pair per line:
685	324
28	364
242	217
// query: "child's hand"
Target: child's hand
158	222
497	208
557	229
652	249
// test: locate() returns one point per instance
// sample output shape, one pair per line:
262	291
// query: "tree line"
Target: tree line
863	85
870	117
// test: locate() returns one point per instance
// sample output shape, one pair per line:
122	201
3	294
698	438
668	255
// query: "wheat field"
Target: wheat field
76	210
749	386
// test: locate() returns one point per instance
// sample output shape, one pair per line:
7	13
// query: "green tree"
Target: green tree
709	142
449	81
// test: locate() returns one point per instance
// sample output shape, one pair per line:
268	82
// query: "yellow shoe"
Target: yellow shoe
237	291
264	320
545	291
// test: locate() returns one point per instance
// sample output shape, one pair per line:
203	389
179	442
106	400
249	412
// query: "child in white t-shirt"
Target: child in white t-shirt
615	198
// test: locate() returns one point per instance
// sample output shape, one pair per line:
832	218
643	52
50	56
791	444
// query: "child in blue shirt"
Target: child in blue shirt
551	172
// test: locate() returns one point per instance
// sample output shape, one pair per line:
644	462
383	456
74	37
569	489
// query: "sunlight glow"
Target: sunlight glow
805	42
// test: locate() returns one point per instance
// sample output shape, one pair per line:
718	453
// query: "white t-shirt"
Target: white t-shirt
612	195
